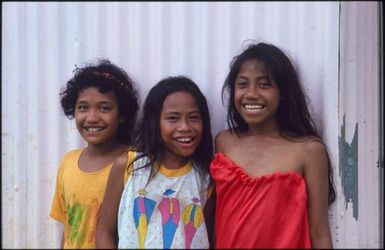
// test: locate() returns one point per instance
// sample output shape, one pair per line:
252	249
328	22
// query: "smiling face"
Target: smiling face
180	126
97	116
256	96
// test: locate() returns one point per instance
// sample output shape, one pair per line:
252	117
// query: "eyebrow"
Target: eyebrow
258	78
85	102
177	113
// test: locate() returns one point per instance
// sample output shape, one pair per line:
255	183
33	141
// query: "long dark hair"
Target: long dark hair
148	138
293	117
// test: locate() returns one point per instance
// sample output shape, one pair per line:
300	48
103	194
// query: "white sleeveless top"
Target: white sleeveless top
167	213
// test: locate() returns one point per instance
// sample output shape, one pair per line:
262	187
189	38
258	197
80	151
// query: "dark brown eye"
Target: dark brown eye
81	108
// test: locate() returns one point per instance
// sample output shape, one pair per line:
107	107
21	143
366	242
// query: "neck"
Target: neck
173	161
269	129
104	148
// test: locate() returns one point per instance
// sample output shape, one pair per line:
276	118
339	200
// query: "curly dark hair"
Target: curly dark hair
106	77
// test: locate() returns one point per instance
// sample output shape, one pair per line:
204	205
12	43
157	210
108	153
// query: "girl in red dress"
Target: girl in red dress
272	170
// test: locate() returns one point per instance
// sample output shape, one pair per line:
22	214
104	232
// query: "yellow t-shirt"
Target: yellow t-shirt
77	200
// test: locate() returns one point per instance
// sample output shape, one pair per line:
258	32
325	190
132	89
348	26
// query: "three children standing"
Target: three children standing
272	173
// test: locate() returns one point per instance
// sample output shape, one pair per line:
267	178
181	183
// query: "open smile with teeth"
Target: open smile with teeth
93	129
184	139
253	107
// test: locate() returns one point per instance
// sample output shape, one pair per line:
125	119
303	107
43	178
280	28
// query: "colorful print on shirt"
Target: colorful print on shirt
165	212
78	231
192	219
143	208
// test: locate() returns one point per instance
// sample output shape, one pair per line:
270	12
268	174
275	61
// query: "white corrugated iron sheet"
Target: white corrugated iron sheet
336	54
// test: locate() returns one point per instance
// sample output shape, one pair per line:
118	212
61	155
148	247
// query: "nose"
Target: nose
92	116
252	92
183	125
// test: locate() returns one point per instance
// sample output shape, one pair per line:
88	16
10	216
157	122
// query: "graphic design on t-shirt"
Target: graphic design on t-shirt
82	221
169	210
143	208
75	214
92	215
192	218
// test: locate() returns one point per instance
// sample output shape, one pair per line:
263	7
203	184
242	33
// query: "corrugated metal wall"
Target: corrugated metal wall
42	42
357	214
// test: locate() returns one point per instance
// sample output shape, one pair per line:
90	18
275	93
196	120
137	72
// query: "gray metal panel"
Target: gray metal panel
359	204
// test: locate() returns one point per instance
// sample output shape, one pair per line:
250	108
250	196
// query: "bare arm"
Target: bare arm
62	241
211	202
107	232
316	175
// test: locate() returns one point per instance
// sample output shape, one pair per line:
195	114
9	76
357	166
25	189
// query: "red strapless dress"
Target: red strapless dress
259	212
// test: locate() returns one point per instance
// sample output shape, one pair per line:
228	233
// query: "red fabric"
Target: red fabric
259	212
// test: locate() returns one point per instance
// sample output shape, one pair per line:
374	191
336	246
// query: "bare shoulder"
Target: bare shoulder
222	139
223	135
314	152
313	146
122	160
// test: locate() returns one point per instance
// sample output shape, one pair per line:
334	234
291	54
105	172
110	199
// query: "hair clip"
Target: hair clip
110	77
107	75
76	68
